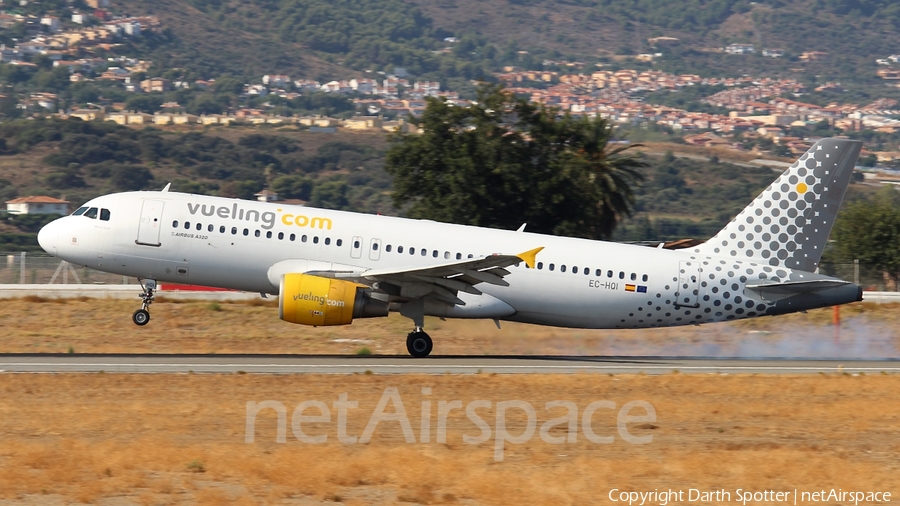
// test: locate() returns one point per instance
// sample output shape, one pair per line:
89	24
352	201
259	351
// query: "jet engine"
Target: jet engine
318	301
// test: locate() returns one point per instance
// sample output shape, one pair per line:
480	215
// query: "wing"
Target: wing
443	281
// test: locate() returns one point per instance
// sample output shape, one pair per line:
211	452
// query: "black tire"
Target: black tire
141	317
419	344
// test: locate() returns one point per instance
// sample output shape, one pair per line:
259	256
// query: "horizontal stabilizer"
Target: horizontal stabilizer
777	291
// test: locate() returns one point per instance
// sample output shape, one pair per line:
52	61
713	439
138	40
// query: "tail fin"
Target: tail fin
788	223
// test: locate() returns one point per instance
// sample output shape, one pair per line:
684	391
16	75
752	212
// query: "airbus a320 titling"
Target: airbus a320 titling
331	267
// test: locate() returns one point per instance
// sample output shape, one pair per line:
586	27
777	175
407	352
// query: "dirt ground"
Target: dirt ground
114	439
117	439
104	326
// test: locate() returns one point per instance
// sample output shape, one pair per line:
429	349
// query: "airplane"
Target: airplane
331	267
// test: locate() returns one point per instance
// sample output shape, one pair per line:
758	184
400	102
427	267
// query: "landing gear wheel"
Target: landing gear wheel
141	317
419	344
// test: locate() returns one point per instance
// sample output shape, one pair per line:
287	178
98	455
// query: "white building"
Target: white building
52	23
37	205
739	49
276	80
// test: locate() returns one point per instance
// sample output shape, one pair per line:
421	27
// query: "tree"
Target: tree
869	231
504	161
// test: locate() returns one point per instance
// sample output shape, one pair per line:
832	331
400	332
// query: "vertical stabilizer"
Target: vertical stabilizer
788	223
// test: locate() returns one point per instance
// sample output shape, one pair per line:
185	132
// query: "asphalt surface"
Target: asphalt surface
340	364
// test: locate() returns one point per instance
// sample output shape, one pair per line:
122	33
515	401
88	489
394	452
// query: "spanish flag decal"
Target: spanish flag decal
630	288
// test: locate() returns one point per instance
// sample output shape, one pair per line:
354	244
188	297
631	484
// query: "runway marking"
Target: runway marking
679	367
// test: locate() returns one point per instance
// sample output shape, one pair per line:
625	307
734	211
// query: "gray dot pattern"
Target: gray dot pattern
721	291
779	237
788	224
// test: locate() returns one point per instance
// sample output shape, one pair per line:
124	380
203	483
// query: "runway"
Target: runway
338	364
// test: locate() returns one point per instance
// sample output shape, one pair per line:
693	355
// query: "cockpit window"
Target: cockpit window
79	211
104	214
91	213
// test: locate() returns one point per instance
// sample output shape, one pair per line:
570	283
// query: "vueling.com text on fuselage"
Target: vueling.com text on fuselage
267	218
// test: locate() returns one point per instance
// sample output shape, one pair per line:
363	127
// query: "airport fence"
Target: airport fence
37	269
21	268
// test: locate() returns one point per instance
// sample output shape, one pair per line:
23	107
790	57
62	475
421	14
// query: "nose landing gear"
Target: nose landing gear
142	316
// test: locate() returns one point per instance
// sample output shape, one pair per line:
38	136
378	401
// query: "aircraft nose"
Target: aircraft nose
48	237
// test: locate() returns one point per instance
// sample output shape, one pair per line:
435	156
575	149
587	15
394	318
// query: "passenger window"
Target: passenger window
210	228
175	224
91	213
199	227
104	214
269	234
303	238
327	241
355	244
81	210
293	236
388	248
339	242
459	256
586	271
233	230
187	225
280	236
621	275
540	265
470	256
609	274
374	246
424	252
562	268
246	231
447	255
434	253
316	240
574	269
412	251
633	276
551	267
222	229
256	233
399	249
644	278
598	272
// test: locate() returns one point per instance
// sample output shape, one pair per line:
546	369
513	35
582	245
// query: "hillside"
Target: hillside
211	45
312	38
682	196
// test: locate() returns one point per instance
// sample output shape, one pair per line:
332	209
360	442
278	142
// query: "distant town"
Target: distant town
757	107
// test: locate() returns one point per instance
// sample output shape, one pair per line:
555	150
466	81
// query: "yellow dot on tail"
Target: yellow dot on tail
801	188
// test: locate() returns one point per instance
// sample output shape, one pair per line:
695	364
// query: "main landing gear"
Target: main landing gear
418	343
142	316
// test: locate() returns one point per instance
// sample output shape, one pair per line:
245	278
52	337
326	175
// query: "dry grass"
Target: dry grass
131	439
104	326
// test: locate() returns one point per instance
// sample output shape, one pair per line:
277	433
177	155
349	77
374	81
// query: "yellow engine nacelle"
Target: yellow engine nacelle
314	300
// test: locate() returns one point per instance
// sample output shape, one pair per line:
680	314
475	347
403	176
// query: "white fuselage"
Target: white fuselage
229	243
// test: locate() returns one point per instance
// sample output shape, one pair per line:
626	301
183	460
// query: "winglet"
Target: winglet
167	187
528	256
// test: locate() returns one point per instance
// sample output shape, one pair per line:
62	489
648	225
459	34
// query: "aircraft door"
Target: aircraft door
375	249
356	247
688	291
150	224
